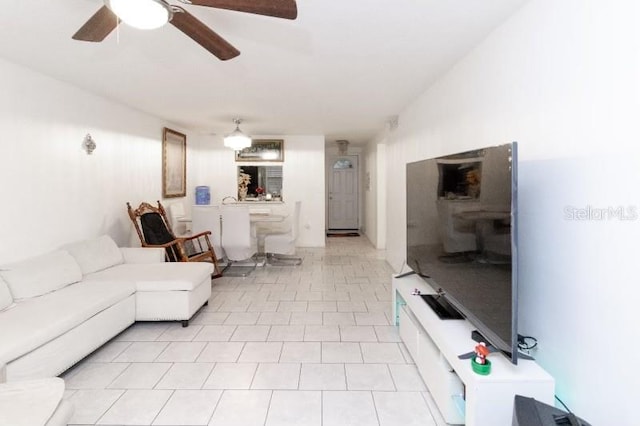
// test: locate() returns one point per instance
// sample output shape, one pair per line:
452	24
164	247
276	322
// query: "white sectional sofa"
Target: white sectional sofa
59	307
36	402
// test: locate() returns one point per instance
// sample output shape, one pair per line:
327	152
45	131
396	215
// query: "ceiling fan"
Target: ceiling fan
141	13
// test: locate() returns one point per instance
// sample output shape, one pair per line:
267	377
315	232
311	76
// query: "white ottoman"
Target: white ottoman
171	291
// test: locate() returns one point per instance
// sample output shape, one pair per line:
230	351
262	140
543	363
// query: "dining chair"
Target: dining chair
207	218
177	218
281	247
237	238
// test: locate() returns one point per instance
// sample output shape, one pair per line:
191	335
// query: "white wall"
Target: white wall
381	191
303	178
562	79
375	195
52	192
370	195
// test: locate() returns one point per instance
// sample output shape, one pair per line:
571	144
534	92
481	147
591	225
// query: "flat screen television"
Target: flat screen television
462	237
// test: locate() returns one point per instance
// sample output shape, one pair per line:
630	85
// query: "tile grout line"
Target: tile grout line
266	417
375	407
163	406
222	392
110	407
395	386
213	367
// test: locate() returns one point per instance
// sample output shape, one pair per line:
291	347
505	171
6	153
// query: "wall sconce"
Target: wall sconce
89	144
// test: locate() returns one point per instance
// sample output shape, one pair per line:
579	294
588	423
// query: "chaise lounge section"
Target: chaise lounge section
59	307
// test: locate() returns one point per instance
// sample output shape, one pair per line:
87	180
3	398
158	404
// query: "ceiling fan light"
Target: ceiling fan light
141	14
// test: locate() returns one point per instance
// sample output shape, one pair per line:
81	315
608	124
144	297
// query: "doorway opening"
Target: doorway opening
343	196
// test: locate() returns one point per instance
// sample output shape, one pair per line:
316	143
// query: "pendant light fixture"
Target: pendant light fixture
343	146
237	140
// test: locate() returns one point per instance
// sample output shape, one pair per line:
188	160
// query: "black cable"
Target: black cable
563	404
525	345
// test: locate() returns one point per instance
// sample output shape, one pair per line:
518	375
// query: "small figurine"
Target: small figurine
415	292
482	352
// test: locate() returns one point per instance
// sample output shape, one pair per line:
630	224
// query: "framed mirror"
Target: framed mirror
262	150
260	182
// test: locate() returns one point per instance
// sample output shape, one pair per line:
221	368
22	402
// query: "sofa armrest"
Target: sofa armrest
142	255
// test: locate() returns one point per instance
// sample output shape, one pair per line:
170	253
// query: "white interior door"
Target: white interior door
343	193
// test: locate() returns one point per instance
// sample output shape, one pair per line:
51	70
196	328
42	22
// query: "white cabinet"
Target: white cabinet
462	396
444	384
409	330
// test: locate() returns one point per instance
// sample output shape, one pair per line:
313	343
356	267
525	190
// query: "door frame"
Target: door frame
328	169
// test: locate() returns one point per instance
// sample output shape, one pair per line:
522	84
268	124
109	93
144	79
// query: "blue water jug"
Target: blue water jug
203	196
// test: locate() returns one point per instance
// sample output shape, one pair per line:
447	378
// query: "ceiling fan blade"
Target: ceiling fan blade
98	27
277	8
203	35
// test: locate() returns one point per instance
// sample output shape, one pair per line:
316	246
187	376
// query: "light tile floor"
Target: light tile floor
307	345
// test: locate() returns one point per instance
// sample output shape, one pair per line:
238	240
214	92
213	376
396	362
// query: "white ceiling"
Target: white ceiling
342	69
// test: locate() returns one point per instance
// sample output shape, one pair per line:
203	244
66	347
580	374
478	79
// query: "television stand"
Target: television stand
462	396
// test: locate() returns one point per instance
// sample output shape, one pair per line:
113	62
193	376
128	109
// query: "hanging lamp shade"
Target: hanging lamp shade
237	140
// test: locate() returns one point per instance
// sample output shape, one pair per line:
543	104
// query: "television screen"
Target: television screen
461	236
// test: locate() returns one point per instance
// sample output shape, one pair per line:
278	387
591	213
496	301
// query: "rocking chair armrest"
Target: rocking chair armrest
201	234
178	241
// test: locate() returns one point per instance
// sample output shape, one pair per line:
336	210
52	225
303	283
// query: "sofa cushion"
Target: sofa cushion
95	254
34	322
40	275
142	255
169	276
6	299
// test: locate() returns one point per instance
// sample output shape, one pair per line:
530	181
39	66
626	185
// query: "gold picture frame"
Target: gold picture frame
262	150
174	164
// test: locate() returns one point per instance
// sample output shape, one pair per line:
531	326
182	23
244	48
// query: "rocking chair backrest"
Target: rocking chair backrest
156	229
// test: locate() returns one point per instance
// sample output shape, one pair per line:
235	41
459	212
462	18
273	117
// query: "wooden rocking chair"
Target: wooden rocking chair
154	230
